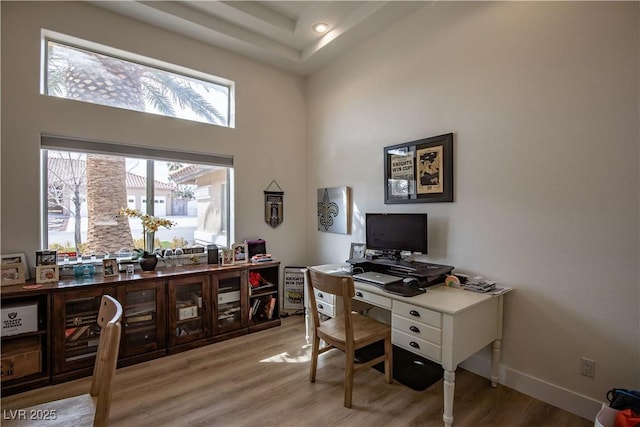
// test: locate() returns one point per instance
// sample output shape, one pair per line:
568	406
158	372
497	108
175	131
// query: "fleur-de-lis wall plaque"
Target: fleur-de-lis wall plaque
334	210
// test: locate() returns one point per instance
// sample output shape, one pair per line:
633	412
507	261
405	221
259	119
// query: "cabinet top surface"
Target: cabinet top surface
31	288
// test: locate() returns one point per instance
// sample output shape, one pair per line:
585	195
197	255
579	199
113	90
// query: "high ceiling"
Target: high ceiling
279	33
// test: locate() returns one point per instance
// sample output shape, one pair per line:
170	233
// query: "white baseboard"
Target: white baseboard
552	394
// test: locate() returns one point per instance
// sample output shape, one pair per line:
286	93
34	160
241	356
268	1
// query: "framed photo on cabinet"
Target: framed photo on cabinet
13	273
109	267
240	253
227	257
419	171
47	273
16	259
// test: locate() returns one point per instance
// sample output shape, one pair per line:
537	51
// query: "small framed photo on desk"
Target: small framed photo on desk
357	250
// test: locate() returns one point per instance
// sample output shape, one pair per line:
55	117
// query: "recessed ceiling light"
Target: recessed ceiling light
320	27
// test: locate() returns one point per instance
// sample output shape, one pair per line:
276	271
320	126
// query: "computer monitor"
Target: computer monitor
392	233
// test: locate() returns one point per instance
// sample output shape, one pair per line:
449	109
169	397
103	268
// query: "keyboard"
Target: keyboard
399	264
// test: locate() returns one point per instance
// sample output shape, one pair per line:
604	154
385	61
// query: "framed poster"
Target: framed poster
293	288
419	171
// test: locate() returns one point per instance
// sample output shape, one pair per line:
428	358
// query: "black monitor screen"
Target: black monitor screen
397	232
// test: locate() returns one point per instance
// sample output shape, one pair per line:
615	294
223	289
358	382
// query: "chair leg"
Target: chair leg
388	362
348	378
315	349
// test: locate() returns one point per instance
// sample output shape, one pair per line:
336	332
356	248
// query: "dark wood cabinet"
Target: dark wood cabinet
75	330
189	308
144	322
229	301
166	311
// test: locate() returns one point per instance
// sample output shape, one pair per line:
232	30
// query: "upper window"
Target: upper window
96	77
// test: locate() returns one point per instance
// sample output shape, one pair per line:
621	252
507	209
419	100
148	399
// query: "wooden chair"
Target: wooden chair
348	331
87	409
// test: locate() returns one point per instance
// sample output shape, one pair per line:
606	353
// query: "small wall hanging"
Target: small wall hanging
334	214
273	204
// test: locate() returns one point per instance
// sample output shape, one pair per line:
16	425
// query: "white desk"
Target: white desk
444	325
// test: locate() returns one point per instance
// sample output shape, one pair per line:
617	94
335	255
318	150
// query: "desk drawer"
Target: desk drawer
324	297
417	345
373	299
417	329
420	314
326	308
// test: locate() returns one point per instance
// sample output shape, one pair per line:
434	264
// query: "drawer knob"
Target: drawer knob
359	294
320	295
320	306
414	329
414	344
414	313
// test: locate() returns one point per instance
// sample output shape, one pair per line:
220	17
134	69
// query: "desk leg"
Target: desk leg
497	345
449	387
495	361
307	325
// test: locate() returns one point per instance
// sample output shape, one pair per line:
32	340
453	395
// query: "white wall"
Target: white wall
542	99
268	142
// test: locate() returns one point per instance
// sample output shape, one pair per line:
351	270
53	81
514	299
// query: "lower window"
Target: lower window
85	192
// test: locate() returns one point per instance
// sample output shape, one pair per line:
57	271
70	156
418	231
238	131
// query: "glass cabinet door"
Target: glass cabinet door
229	314
188	305
143	321
76	328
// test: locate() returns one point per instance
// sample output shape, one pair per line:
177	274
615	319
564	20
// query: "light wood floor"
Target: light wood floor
262	380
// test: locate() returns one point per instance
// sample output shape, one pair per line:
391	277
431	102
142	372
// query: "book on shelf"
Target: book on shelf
255	306
73	334
272	306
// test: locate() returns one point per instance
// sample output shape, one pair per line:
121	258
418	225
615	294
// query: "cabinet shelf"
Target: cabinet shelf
261	293
24	335
193	319
143	326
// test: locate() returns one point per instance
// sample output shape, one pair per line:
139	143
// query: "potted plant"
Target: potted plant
150	224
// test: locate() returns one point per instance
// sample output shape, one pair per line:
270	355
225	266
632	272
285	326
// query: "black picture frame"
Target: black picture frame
419	171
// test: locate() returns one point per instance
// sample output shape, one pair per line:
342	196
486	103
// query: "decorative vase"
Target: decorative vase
149	241
148	261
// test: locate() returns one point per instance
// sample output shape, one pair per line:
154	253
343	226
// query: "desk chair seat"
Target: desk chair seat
348	331
91	409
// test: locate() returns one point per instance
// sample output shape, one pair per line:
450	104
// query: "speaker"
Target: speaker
212	254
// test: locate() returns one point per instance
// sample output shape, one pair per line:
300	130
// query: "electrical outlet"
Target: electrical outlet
587	367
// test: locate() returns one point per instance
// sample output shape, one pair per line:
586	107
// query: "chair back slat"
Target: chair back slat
109	318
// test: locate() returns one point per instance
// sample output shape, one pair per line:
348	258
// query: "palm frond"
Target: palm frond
186	97
157	97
